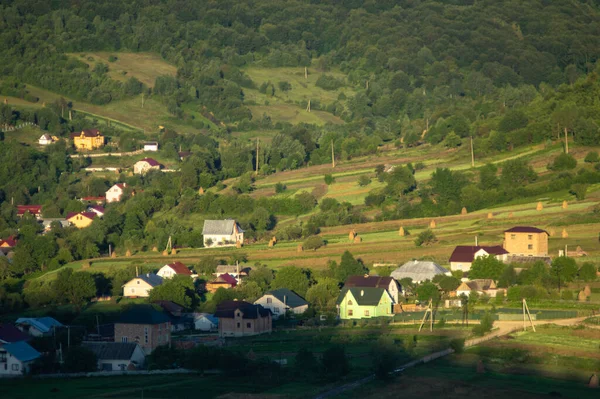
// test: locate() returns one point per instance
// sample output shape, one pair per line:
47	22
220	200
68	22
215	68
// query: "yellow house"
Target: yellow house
526	241
81	219
88	139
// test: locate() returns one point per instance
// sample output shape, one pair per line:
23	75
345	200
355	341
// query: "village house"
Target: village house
97	209
38	326
143	166
47	223
46	139
184	154
81	219
140	286
16	358
34	210
8	243
222	233
151	146
88	139
223	281
387	283
240	319
281	301
367	302
144	325
526	241
205	322
233	270
117	356
481	286
10	334
463	255
97	200
172	269
419	271
115	193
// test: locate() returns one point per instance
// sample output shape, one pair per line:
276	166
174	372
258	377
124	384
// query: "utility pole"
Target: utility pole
257	141
428	312
142	99
472	154
305	73
526	313
308	106
566	142
332	156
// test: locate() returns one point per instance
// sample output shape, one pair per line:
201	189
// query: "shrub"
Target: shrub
592	157
329	179
328	82
425	238
284	86
563	162
457	344
280	187
485	325
112	58
579	191
335	363
314	243
364	180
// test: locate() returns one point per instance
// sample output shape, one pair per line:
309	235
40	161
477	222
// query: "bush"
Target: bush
335	363
314	243
485	325
112	58
425	238
563	162
329	179
284	86
384	357
280	187
579	191
457	345
364	180
592	157
328	82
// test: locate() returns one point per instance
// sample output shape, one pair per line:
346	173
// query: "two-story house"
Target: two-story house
239	319
282	300
115	193
387	283
526	241
81	219
88	139
144	325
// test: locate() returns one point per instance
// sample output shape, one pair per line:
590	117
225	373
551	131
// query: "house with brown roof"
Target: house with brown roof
35	210
144	325
46	139
481	286
463	255
8	243
115	193
240	319
387	283
88	139
173	269
526	241
142	167
223	281
81	219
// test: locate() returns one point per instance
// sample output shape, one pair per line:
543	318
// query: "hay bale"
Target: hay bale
463	211
113	255
238	244
351	235
552	232
594	383
480	367
165	253
86	265
401	232
587	290
174	251
565	205
510	214
274	239
539	206
154	249
271	243
564	233
128	253
432	224
300	248
357	240
200	191
490	215
582	297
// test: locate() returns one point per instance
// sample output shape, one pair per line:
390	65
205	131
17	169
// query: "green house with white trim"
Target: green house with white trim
364	303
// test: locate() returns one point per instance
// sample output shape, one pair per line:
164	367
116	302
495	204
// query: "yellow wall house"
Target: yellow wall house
526	241
88	139
81	219
364	303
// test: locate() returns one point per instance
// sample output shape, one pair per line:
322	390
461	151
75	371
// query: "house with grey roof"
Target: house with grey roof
16	358
222	233
282	300
140	286
364	303
38	326
117	356
419	271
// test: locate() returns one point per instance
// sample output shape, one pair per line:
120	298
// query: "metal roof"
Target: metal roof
364	296
22	351
224	227
143	314
43	324
289	297
111	350
418	270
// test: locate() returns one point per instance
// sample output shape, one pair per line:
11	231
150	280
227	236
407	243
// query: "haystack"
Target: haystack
463	211
238	244
539	206
300	248
113	255
551	232
86	265
128	253
510	214
274	239
401	232
564	233
154	249
357	240
271	243
351	235
594	383
587	290
490	215
565	205
165	253
582	297
432	224
200	191
174	251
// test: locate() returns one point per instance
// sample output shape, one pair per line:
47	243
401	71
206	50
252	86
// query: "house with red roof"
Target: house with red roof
115	193
9	242
97	209
35	210
143	166
81	219
10	334
526	241
463	255
173	269
226	281
88	139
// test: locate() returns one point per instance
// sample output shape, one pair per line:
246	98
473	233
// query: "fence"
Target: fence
10	128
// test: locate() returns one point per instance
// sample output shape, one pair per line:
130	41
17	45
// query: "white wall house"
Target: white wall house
117	356
282	300
463	255
140	286
45	139
151	146
115	193
143	166
205	322
16	358
220	233
173	269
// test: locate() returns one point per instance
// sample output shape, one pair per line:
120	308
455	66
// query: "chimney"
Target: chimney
284	300
137	272
476	243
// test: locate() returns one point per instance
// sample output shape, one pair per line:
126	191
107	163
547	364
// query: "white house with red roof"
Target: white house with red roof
143	166
115	193
97	209
463	255
35	210
173	269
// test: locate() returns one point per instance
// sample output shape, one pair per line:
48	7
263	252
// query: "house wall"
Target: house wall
464	266
240	327
212	287
88	143
142	167
277	307
147	336
166	272
13	366
80	221
527	244
394	291
114	194
204	324
222	238
384	308
137	288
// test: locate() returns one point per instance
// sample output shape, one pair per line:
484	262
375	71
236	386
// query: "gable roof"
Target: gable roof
87	133
418	270
368	281
89	215
119	185
33	209
100	198
225	278
45	136
226	309
96	208
222	269
170	306
150	161
207	316
180	268
43	324
224	227
525	229
9	242
152	279
111	350
289	297
10	333
22	351
143	314
364	296
466	253
477	285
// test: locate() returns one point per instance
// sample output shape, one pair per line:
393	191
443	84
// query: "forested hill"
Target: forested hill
418	56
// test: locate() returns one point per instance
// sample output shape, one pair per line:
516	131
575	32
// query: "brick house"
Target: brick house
463	255
240	319
526	241
88	139
144	325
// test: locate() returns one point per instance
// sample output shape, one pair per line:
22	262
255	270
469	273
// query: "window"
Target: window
513	236
238	325
2	357
530	237
530	246
15	367
269	300
350	302
146	335
350	312
248	325
138	281
366	313
124	339
275	310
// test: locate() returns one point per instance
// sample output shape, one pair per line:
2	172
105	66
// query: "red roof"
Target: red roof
10	242
368	281
10	333
97	208
93	198
89	215
525	229
226	278
151	162
466	253
87	133
33	209
180	268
